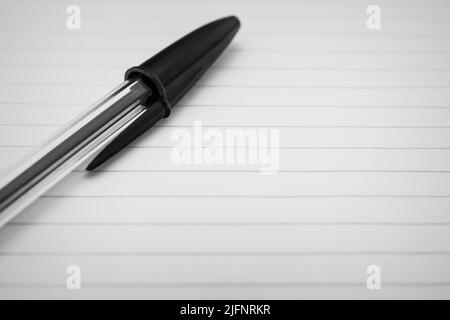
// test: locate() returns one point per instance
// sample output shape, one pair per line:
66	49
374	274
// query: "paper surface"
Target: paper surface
364	154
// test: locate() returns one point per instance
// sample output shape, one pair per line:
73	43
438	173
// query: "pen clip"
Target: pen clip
154	112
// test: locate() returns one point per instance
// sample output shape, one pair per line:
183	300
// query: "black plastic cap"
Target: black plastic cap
170	74
174	70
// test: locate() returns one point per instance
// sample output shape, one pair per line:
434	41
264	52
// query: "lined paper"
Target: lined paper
364	176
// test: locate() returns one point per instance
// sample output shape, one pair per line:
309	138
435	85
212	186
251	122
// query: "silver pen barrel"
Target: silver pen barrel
70	147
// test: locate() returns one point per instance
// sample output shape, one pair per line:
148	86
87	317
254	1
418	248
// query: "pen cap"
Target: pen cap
174	70
170	74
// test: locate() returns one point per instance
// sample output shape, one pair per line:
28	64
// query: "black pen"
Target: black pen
147	95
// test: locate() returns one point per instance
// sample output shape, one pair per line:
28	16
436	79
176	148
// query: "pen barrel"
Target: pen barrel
72	145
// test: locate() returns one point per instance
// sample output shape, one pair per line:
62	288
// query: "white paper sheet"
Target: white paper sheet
364	172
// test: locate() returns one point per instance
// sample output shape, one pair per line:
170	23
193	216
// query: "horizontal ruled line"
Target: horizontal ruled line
281	147
308	106
440	69
316	148
236	196
257	171
238	86
57	104
228	253
324	34
207	285
236	49
228	224
225	171
248	126
373	69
